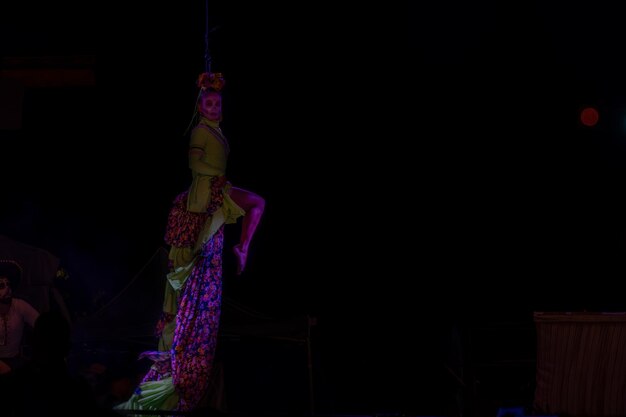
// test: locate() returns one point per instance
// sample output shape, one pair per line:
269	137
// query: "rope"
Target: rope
207	62
207	55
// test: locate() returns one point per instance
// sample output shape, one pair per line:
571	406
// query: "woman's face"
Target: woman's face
210	106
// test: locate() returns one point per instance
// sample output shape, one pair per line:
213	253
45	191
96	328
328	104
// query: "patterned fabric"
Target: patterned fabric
163	320
187	366
183	226
195	335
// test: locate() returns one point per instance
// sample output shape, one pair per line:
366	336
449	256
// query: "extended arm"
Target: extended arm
197	164
204	147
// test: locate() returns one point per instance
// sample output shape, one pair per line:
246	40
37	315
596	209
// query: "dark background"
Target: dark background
423	164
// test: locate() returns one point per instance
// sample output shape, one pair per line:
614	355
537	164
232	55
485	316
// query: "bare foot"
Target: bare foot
241	258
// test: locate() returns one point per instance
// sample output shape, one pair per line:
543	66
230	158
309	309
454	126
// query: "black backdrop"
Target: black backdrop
423	165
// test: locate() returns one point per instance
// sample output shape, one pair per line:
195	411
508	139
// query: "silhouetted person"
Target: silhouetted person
15	313
45	387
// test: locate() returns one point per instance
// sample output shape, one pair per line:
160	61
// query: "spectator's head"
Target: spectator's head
10	273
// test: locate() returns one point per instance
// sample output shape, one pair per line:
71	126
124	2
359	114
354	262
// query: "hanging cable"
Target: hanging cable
207	64
207	61
207	55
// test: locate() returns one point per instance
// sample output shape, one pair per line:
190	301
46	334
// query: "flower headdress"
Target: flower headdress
206	81
211	81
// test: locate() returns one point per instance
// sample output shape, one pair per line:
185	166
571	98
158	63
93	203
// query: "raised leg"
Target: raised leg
254	205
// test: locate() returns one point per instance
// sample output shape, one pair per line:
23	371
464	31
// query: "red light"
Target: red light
589	116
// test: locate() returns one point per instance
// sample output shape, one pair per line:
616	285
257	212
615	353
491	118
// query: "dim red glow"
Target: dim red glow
589	116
